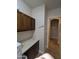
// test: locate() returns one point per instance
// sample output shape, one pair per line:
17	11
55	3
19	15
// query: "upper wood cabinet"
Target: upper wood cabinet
25	22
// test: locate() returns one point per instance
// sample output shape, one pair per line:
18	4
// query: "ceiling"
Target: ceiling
50	4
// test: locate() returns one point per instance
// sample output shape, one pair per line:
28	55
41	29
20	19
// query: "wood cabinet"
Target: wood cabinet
33	51
25	22
54	36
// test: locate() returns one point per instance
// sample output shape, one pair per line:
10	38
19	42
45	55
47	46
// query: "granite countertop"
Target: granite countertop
28	44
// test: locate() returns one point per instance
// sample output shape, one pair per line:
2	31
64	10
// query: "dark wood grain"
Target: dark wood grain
33	51
24	22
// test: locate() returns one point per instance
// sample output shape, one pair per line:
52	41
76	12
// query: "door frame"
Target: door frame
48	28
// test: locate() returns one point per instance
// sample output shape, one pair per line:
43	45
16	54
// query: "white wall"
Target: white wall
54	12
23	7
39	14
45	30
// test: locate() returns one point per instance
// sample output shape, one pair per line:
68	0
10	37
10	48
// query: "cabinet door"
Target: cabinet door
26	23
19	21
